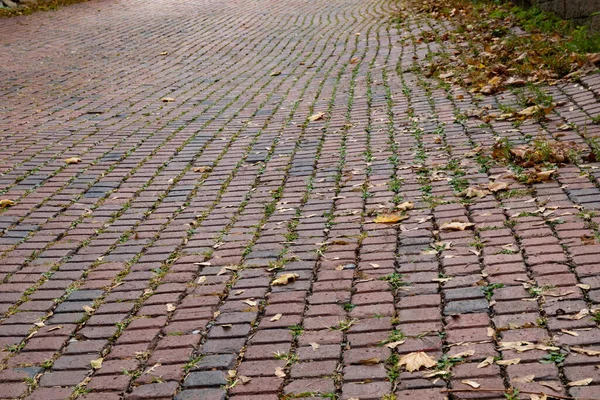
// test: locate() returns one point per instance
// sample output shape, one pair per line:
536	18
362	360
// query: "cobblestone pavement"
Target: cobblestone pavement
203	179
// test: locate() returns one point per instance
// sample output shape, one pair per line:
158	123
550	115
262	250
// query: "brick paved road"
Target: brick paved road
157	252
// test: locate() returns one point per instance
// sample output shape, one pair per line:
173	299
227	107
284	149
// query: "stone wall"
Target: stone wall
581	12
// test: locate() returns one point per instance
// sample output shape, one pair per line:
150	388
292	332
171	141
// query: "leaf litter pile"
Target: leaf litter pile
488	51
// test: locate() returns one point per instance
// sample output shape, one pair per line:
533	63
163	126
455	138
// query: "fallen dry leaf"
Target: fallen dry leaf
417	360
456	226
276	317
473	384
524	379
374	265
152	368
467	353
39	324
284	279
275	73
97	363
315	346
88	309
390	218
497	186
370	361
170	307
556	386
407	205
251	303
244	379
279	372
393	345
167	99
73	160
582	382
488	361
585	351
473	191
201	279
513	361
316	117
202	169
6	203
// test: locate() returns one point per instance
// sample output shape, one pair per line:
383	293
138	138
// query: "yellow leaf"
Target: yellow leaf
391	218
73	160
497	186
170	307
276	317
284	279
279	372
513	361
417	360
97	364
583	382
6	203
473	384
370	361
456	226
316	117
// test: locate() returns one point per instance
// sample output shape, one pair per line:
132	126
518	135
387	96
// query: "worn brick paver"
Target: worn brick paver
202	179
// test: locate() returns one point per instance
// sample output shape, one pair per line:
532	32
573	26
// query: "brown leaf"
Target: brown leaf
456	226
203	168
275	73
316	117
370	361
417	360
497	186
393	345
284	279
473	191
73	160
556	386
353	60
